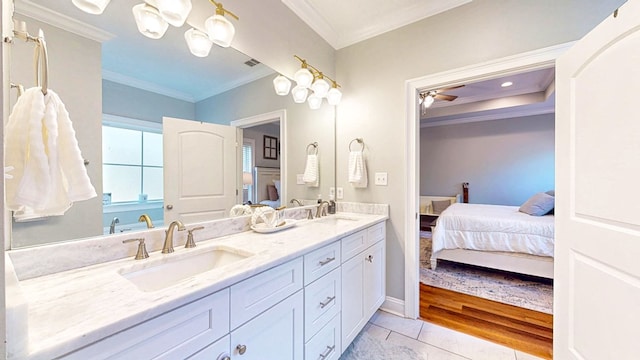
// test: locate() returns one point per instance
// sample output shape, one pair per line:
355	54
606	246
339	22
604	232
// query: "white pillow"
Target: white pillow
539	204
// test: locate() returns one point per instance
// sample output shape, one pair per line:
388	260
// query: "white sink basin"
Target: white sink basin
337	220
164	274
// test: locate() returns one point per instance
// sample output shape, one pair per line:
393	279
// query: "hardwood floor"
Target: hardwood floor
522	329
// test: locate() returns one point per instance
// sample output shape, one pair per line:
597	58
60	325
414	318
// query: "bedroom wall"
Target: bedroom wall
256	133
373	74
505	161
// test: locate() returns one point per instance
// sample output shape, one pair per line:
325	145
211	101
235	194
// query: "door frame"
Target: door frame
277	115
528	61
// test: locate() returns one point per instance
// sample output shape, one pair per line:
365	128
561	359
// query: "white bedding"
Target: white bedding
273	203
493	228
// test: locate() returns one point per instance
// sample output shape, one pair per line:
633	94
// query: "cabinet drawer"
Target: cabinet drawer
322	301
260	292
216	351
173	335
325	345
376	233
353	244
321	261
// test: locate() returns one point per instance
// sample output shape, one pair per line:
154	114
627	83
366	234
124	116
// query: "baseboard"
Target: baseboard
393	306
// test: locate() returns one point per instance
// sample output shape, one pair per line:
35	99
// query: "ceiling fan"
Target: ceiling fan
427	98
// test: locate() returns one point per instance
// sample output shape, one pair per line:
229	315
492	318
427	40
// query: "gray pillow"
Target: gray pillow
551	192
438	206
538	205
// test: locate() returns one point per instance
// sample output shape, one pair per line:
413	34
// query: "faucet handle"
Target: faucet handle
142	249
190	242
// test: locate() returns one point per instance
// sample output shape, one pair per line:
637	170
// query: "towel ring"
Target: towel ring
314	146
41	63
360	141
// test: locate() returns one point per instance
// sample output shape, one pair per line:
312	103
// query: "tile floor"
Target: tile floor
437	342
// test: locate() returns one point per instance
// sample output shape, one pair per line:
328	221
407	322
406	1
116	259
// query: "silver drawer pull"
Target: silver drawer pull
369	258
327	302
241	349
224	356
326	261
327	352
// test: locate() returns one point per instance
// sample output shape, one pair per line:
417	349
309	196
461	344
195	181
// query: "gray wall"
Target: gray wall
257	134
373	74
505	161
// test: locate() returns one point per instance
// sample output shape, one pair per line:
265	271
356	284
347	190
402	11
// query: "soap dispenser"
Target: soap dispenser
332	205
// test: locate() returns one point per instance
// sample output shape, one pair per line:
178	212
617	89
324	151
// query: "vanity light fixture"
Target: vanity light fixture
314	101
320	86
309	77
220	30
198	42
303	77
95	7
149	21
334	95
282	85
175	12
299	94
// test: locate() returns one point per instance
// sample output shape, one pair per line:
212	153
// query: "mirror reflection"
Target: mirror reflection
118	86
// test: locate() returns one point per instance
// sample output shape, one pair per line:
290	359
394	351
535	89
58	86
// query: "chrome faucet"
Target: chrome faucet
296	201
168	240
322	209
112	227
146	218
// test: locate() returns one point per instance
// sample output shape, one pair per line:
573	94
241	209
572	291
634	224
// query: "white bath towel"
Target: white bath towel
311	171
40	143
357	169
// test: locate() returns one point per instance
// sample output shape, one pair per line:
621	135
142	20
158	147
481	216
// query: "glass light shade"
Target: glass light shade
175	12
95	7
320	87
220	30
334	96
299	94
149	21
314	101
428	100
281	85
303	77
198	42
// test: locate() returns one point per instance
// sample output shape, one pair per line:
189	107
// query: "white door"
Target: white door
597	254
200	173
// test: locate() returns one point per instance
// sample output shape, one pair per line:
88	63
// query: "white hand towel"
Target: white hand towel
49	170
311	171
357	169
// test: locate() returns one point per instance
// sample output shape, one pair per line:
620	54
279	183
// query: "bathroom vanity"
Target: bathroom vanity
301	293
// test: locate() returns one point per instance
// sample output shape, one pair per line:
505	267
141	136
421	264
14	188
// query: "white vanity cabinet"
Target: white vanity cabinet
363	279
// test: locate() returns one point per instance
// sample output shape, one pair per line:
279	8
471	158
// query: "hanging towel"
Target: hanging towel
49	172
357	169
311	171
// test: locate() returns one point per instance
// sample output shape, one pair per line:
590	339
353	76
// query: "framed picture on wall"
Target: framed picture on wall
270	147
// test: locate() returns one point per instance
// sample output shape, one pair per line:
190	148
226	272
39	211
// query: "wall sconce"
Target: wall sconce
220	30
309	78
95	7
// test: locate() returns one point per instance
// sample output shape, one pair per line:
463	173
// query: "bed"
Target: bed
495	236
268	186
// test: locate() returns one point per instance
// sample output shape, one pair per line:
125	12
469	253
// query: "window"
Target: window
247	167
131	162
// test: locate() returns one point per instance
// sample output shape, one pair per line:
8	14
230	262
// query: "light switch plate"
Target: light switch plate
381	178
299	179
339	193
332	192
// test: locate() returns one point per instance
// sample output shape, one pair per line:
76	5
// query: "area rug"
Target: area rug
366	347
508	288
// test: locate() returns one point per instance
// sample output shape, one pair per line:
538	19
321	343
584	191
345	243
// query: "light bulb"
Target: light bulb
220	30
95	7
428	100
334	96
299	94
198	42
303	77
314	101
282	85
175	12
149	21
320	87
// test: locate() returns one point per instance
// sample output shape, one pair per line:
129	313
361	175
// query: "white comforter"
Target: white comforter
493	228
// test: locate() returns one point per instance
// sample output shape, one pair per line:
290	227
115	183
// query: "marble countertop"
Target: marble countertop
74	308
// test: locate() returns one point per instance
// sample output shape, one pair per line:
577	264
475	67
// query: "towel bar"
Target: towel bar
359	140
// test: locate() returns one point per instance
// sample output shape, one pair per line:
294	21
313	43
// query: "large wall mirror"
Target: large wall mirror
108	74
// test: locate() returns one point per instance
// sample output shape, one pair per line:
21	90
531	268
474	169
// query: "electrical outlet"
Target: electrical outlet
381	178
332	192
299	179
339	193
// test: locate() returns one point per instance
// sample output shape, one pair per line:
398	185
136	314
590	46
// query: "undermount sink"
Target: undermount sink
171	271
337	219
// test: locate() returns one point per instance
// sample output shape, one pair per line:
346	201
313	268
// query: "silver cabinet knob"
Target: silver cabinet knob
223	356
169	207
241	349
369	258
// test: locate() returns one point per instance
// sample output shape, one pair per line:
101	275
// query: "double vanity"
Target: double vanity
301	293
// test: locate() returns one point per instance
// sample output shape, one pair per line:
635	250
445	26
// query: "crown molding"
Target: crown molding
145	85
41	13
264	71
312	18
550	109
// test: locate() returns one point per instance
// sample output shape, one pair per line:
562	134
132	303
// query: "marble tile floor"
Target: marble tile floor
428	341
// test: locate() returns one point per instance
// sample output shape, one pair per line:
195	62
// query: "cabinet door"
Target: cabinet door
275	334
219	350
374	279
353	311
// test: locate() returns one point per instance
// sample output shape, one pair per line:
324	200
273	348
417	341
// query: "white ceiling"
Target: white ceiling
343	23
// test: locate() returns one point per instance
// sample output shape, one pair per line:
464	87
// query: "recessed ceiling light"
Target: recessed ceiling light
506	84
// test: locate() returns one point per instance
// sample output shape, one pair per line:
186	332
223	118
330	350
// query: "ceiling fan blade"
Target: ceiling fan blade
445	97
450	88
